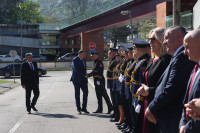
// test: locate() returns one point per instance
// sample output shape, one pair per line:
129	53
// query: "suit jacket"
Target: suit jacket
29	77
155	71
78	71
192	126
167	104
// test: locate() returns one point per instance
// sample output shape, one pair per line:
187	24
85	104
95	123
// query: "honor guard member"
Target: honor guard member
115	86
141	51
99	83
111	56
121	89
127	126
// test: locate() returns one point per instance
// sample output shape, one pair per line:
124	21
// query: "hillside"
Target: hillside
72	11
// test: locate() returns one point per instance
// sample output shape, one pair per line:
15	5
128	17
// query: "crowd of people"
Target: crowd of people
154	86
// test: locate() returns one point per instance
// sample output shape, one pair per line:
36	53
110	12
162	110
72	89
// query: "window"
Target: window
74	42
66	42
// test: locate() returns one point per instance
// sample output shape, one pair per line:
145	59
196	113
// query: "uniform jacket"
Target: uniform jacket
128	72
137	75
167	104
29	78
78	71
192	126
97	71
109	74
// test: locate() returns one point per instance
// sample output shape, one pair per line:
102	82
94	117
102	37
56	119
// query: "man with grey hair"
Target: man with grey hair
30	81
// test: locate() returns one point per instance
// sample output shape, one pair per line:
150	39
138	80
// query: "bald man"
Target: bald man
192	49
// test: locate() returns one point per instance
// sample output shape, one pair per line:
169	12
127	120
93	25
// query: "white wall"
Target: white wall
196	14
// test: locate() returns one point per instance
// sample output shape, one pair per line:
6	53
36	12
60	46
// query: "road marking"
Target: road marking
15	127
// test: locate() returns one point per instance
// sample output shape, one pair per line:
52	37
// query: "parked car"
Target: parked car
67	57
8	58
38	58
7	70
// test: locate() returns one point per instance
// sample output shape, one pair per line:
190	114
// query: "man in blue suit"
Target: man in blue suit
79	80
192	48
166	107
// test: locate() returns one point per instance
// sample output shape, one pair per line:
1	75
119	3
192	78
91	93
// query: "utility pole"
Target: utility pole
176	12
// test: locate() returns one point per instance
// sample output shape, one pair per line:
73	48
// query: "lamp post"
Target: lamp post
176	11
21	29
128	12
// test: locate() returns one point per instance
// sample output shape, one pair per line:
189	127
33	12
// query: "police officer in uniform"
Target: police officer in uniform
115	87
142	49
121	85
99	82
111	56
126	126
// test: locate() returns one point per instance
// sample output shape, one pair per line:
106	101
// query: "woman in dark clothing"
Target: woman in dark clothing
155	68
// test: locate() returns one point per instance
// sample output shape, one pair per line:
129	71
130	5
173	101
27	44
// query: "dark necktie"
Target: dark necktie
83	63
32	67
192	81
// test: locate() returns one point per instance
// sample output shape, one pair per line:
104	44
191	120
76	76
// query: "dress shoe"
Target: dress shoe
98	111
118	124
29	112
78	112
128	130
33	107
114	119
85	111
122	127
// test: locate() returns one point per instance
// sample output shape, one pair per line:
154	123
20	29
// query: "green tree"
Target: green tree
143	28
118	35
26	11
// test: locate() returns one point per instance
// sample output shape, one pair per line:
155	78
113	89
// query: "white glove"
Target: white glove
137	109
98	82
121	78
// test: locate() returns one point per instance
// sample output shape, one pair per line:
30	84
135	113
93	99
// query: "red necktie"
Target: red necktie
193	75
191	83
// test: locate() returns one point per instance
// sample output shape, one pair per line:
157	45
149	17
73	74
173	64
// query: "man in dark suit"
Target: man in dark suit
80	81
192	48
30	81
166	107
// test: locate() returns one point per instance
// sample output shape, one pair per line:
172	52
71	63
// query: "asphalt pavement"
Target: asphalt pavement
56	105
7	86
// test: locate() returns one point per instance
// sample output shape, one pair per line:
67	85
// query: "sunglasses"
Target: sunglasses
151	39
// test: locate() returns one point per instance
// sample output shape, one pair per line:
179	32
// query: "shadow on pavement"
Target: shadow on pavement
55	115
99	115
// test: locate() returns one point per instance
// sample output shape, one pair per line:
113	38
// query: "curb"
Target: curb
7	88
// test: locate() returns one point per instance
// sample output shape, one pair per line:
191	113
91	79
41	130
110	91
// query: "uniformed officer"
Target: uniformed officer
121	88
128	99
111	56
141	52
99	82
115	87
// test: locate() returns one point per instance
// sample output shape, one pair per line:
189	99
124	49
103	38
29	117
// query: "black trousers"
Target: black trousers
114	100
84	88
36	93
101	92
